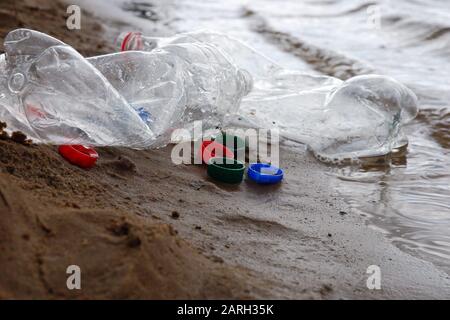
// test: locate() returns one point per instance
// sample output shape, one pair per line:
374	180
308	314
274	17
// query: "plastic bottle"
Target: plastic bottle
338	120
131	98
178	84
53	94
236	51
137	98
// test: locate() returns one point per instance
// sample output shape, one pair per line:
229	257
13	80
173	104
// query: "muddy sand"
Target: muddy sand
141	227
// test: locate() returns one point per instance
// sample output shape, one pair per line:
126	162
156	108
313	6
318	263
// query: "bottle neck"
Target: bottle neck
129	41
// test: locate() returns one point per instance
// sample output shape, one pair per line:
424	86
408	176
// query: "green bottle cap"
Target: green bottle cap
226	170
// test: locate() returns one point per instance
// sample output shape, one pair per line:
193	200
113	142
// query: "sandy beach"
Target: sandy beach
141	227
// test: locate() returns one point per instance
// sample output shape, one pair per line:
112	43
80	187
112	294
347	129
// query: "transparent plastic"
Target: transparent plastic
135	99
360	117
53	94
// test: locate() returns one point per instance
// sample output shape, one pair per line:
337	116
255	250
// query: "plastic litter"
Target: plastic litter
227	170
53	94
338	120
264	173
138	98
135	99
79	155
211	149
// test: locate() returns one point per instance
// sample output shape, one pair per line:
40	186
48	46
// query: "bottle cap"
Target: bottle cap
264	173
129	41
212	149
79	155
227	170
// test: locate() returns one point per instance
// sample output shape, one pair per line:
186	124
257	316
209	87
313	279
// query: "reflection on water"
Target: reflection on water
409	196
438	120
409	199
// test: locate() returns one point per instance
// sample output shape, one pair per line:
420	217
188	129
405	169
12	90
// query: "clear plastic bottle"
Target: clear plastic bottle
235	51
55	95
131	98
137	98
338	120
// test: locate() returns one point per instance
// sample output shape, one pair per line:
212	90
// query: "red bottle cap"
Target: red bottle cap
137	43
211	149
79	155
125	41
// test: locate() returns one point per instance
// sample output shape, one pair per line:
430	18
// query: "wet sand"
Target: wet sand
142	227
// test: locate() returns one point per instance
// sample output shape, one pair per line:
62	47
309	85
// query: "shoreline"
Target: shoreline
289	241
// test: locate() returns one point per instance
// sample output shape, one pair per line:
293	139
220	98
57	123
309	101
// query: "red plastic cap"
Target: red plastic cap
123	47
79	155
136	42
212	149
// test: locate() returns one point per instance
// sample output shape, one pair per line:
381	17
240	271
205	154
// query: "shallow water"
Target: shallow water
408	200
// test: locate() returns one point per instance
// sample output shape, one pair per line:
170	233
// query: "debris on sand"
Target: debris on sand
20	137
175	215
3	134
16	136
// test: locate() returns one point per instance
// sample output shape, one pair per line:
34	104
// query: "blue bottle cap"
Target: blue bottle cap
264	173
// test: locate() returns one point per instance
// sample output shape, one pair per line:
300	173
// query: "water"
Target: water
409	199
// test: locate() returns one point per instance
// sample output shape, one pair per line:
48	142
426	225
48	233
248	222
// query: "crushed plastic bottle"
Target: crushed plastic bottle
178	84
361	117
245	57
135	99
53	94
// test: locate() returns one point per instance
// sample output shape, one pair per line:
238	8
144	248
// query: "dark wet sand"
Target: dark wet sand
142	227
